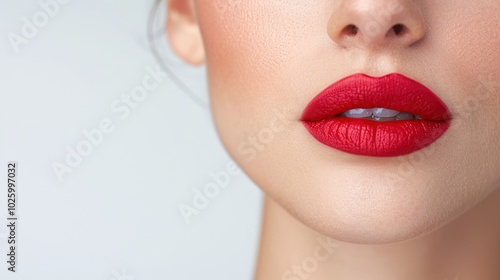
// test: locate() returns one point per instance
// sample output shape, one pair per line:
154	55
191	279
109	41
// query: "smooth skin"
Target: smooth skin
432	214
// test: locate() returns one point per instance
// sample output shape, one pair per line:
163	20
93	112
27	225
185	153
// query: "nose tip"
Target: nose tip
376	23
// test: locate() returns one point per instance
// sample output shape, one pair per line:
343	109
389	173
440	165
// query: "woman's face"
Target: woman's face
266	61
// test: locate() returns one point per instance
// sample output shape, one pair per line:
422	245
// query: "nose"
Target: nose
376	23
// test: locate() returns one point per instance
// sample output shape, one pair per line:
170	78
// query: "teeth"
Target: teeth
405	116
359	113
385	113
379	114
383	119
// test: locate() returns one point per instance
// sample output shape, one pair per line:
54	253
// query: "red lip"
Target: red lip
370	137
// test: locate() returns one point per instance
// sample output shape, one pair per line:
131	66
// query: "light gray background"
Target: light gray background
116	216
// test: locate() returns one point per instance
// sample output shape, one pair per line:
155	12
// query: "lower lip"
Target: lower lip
381	139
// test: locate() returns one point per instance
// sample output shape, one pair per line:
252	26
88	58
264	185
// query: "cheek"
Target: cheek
469	48
246	49
253	49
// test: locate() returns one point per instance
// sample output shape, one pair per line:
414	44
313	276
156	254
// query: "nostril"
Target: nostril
368	24
350	30
398	29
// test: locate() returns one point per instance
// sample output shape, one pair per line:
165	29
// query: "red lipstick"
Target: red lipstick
426	117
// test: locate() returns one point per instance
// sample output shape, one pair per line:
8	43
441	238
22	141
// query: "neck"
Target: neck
467	248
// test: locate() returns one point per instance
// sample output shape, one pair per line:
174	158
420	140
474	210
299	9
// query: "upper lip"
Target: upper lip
393	91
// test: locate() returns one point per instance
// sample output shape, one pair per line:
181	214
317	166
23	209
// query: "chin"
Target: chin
354	208
374	225
384	224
